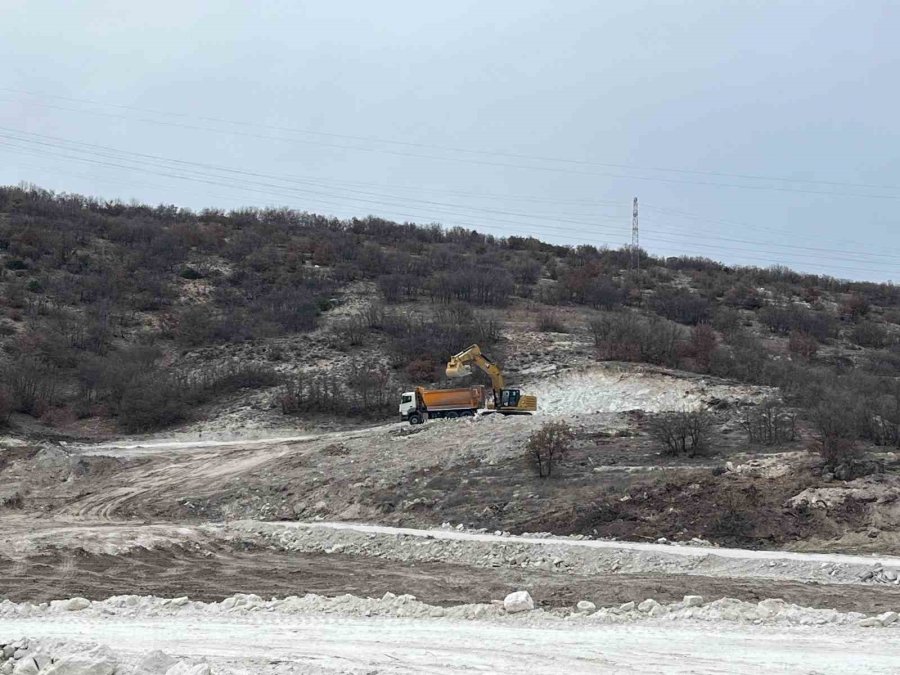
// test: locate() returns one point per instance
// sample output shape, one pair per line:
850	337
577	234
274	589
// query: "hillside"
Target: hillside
131	318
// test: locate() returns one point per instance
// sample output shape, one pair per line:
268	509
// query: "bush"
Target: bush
7	406
770	423
870	334
700	347
802	345
31	385
855	307
549	321
191	274
361	392
681	306
793	318
547	446
836	423
625	336
681	433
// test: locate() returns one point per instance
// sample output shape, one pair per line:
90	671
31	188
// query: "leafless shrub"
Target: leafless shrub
770	423
700	346
785	319
681	306
7	405
870	334
353	330
803	345
681	433
361	391
836	423
625	336
549	321
31	385
855	307
548	445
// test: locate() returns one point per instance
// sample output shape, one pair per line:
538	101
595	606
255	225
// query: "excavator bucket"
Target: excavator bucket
457	369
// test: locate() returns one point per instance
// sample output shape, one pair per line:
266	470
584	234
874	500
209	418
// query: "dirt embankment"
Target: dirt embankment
214	573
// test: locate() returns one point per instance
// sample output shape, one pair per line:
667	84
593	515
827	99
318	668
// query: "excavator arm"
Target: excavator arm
461	365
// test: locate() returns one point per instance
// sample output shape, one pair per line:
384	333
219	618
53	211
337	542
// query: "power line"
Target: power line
444	148
194	127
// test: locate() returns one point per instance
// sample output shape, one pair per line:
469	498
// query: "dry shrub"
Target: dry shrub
549	321
548	445
835	420
682	433
803	345
770	423
701	345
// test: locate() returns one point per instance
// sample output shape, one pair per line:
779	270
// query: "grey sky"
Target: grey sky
797	90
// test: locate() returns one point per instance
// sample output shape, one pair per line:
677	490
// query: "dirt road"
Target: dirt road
318	643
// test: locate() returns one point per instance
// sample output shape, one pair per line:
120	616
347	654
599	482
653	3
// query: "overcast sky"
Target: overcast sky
752	132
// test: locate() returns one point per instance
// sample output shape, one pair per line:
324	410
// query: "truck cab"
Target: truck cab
407	405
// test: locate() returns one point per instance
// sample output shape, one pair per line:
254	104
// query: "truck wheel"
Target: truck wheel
452	415
415	419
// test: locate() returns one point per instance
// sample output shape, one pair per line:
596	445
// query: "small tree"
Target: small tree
835	423
682	433
547	446
803	345
770	423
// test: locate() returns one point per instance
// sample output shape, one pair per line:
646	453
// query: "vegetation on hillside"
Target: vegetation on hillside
103	303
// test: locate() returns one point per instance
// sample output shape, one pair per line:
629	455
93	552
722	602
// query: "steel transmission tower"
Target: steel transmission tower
635	262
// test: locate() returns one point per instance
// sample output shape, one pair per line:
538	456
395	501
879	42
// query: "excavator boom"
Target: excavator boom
460	365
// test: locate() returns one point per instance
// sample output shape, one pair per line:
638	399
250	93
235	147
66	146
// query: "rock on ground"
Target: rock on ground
97	661
520	601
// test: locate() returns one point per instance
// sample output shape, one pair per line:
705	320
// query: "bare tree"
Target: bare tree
547	445
682	433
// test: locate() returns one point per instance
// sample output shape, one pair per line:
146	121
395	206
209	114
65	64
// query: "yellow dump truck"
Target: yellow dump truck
422	404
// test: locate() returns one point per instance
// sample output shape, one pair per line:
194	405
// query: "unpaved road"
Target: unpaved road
318	643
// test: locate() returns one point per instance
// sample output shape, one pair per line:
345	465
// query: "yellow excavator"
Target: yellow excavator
507	401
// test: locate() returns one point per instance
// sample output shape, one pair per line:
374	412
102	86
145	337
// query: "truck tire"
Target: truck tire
415	419
452	415
468	413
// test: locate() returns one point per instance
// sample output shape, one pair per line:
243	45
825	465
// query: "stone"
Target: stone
771	606
627	607
647	605
692	600
7	668
97	661
184	668
585	606
155	663
657	610
520	601
887	618
71	605
870	622
26	666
